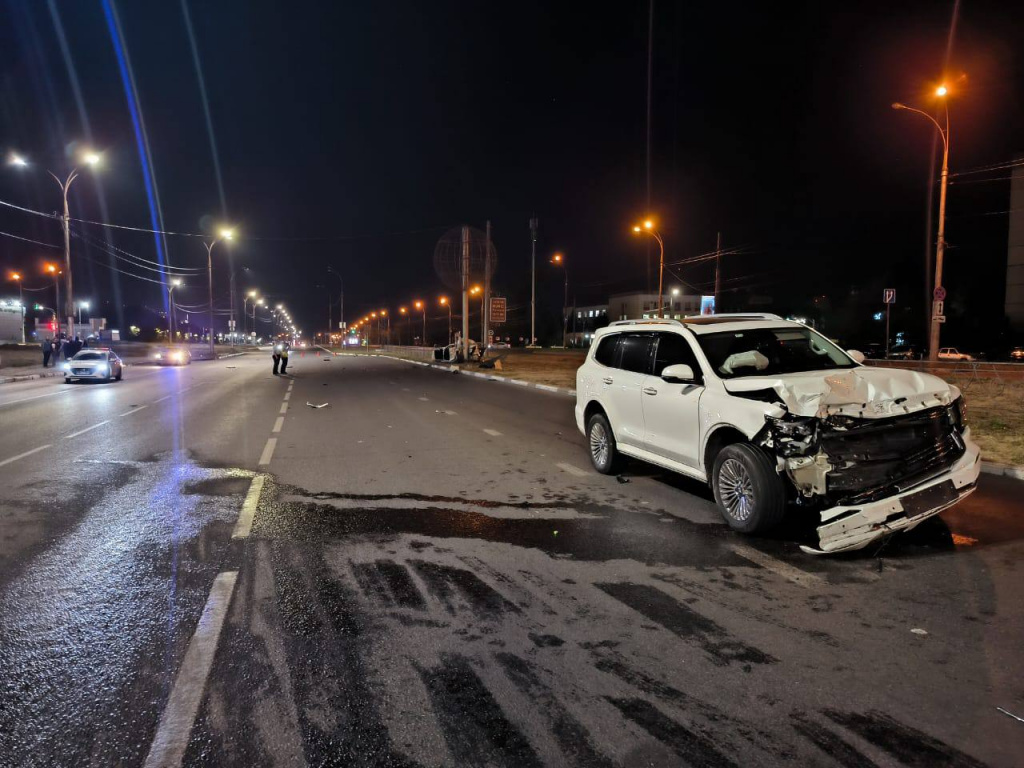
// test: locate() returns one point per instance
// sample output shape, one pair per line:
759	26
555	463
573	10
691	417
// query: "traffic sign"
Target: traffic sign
938	308
499	308
889	296
939	318
939	294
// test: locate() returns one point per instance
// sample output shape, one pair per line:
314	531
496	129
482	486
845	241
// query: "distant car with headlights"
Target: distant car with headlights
1017	354
94	364
172	356
952	353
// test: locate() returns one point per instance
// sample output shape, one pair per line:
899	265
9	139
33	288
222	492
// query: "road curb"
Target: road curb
486	376
1015	471
30	377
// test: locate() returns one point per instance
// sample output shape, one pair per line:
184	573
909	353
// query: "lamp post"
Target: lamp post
940	242
225	234
171	285
559	261
91	159
648	227
52	270
245	310
386	318
473	292
16	277
446	303
423	305
405	313
81	305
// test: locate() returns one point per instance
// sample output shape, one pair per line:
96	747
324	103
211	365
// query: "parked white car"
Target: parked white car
951	353
774	416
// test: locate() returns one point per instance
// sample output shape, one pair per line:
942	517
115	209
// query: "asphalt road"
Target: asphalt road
198	568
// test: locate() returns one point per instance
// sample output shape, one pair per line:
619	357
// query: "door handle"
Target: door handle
607	379
650	391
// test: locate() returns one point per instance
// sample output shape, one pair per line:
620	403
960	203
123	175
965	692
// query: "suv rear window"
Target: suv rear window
636	352
605	353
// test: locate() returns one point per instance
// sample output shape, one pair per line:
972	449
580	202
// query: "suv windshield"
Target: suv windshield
771	351
89	356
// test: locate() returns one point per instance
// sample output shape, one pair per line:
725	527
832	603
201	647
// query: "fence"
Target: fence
965	371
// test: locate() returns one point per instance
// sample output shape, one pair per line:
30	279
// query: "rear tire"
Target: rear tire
118	377
748	490
604	453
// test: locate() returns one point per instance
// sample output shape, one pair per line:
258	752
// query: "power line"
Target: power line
34	242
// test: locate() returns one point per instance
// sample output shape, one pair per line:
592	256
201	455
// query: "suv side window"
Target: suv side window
674	349
636	352
606	350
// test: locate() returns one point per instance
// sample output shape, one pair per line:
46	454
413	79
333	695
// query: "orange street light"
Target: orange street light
559	261
941	90
423	306
445	303
648	227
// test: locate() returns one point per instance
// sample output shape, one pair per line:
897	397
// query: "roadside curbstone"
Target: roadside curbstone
485	376
1007	470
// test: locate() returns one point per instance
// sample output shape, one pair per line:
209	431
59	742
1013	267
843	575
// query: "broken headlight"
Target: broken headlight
793	435
958	412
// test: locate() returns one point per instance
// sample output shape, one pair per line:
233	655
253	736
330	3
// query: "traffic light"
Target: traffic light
37	307
53	326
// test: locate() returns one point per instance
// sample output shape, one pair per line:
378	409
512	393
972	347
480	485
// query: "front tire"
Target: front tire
604	453
748	490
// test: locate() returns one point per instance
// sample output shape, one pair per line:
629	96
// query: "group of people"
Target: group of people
61	347
280	356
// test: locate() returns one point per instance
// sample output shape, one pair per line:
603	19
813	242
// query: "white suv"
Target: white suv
773	415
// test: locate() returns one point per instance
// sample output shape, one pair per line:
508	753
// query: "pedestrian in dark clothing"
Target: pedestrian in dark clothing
277	357
284	358
47	346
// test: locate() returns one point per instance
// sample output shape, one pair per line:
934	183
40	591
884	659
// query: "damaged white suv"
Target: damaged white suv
774	416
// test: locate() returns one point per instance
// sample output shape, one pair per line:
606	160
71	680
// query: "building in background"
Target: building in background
1015	250
638	305
12	321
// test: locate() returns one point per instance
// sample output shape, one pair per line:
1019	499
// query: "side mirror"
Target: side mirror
678	373
856	354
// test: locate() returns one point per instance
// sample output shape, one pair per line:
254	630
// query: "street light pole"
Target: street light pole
170	308
940	244
226	234
533	281
16	277
648	227
559	260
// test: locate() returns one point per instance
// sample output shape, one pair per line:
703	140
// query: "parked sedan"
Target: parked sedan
952	353
95	364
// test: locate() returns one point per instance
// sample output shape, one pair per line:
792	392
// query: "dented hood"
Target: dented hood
863	392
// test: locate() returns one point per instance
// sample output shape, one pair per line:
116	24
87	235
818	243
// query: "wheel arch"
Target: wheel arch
717	439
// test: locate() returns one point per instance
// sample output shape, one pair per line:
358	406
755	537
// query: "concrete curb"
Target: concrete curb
29	377
1008	470
485	376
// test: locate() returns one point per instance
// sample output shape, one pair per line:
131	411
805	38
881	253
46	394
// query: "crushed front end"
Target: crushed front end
870	476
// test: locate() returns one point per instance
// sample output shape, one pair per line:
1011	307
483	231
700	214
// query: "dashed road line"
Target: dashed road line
252	498
268	451
776	566
26	454
493	432
424	399
36	397
87	429
278	424
175	728
572	470
133	410
287	396
165	397
284	408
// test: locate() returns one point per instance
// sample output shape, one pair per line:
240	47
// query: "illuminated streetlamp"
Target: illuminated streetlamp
16	277
940	244
91	159
559	261
648	227
423	305
171	285
225	234
445	303
52	270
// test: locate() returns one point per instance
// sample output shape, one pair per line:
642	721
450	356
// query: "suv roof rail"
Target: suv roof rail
752	315
647	321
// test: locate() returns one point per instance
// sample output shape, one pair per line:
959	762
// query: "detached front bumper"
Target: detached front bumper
848	528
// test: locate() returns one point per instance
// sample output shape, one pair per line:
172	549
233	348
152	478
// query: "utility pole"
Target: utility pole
485	324
650	82
718	269
533	282
465	293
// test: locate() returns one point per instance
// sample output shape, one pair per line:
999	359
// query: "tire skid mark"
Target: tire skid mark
474	726
908	745
445	582
696	750
389	582
683	621
840	750
572	737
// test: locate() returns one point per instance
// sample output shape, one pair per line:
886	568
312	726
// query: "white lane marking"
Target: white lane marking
284	408
287	396
449	413
520	382
546	387
493	432
278	424
23	455
172	735
165	397
424	399
572	470
87	429
36	397
252	498
776	566
268	450
133	410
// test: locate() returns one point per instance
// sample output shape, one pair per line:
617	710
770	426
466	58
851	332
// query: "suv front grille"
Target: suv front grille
872	460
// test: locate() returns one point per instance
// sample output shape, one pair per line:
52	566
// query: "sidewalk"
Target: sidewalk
14	373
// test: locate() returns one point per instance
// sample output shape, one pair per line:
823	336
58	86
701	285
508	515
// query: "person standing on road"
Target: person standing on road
284	358
277	356
47	346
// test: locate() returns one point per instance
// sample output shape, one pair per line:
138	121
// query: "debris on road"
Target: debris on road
622	478
322	405
918	631
1010	714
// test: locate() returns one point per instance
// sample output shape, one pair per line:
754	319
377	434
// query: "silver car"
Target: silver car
101	364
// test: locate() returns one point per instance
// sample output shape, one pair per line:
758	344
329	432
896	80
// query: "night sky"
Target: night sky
353	134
